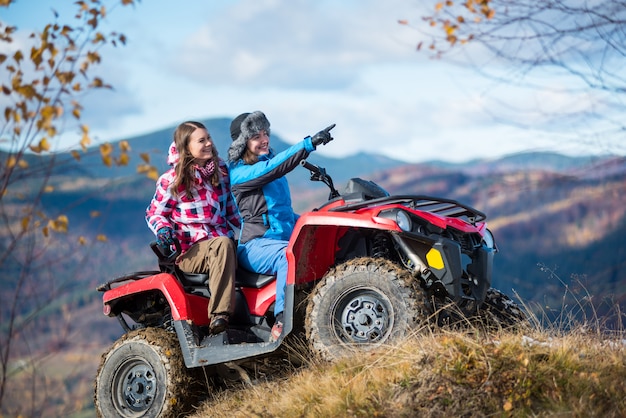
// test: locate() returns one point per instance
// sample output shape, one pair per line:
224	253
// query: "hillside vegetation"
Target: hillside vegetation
448	374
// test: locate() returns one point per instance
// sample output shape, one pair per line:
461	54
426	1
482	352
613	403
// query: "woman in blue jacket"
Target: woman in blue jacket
262	195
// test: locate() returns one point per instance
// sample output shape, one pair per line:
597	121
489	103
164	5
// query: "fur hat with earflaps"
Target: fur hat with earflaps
244	127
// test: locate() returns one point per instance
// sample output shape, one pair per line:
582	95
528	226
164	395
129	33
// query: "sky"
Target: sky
307	64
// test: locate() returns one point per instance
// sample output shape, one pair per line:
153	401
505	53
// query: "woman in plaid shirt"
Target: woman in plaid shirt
193	204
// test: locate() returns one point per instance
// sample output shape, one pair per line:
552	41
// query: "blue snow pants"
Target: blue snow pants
267	256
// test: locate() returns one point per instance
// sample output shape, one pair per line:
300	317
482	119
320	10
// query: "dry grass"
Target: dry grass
445	373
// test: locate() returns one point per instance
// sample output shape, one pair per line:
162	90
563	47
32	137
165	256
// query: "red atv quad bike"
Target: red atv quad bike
365	268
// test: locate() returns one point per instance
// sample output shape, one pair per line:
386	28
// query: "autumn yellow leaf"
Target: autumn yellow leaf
25	222
124	146
25	90
47	113
76	155
48	189
123	160
82	240
106	149
99	37
85	140
102	238
94	56
438	7
94	213
153	174
18	56
59	224
145	157
450	29
508	405
65	77
45	231
22	164
44	144
36	56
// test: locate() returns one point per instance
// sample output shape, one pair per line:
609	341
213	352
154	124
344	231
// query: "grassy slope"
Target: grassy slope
449	374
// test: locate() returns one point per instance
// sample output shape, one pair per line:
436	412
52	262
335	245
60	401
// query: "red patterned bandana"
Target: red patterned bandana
207	171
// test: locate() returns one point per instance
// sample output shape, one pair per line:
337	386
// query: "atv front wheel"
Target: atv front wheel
144	375
500	311
361	304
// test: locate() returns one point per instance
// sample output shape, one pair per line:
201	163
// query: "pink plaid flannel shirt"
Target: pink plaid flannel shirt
203	216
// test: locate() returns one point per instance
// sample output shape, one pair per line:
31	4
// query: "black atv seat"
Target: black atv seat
243	278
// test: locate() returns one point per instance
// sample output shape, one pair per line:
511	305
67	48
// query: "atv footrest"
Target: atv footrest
214	340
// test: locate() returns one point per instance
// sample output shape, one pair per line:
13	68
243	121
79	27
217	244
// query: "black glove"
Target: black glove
322	137
165	237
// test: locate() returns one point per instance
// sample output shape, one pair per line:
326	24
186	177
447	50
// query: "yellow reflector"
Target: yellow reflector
434	259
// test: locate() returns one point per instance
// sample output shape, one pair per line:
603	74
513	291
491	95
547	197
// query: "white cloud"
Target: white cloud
293	43
308	64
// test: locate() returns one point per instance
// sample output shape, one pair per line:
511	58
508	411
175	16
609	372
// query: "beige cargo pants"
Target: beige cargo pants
218	258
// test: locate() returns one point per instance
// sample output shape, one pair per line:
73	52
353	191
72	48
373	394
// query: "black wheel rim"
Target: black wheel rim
134	387
362	316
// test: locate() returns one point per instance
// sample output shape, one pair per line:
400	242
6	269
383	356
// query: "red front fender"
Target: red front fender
312	247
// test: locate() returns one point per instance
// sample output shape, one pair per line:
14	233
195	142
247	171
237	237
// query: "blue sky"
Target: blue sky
308	64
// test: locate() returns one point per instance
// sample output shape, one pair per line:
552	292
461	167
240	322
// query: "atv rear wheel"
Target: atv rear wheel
361	304
144	375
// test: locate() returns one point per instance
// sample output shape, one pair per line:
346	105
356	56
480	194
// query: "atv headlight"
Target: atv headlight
404	221
488	239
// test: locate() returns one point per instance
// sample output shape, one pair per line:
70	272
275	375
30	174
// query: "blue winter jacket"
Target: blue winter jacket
262	193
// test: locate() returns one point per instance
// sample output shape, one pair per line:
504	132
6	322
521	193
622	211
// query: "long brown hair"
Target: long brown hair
249	157
185	169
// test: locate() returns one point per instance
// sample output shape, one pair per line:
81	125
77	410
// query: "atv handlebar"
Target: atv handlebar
319	174
311	167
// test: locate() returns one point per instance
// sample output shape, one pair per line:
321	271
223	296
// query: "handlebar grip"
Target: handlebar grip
309	166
